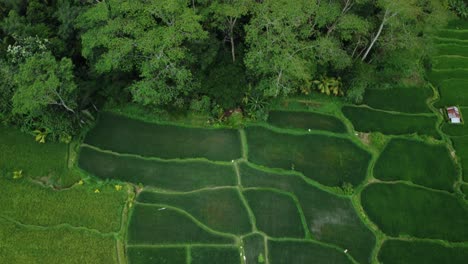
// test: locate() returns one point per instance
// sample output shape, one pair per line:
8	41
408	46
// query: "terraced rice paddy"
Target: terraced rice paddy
408	252
369	120
306	121
400	99
453	92
418	162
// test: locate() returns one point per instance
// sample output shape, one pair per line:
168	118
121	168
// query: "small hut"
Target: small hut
454	115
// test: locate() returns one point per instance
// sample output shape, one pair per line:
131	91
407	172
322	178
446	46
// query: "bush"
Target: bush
460	8
201	105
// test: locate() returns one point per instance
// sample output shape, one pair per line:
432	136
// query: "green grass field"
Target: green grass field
163	141
78	206
438	76
275	213
220	209
303	252
418	162
305	121
325	159
453	92
19	151
21	244
464	189
368	120
406	252
329	218
401	99
456	129
171	227
145	255
224	255
399	209
168	175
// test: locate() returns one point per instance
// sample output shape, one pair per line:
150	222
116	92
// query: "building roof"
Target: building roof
453	112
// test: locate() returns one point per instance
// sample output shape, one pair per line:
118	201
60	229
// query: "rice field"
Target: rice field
418	162
328	160
144	255
454	49
369	120
163	141
450	62
304	252
409	252
400	99
399	210
453	92
306	121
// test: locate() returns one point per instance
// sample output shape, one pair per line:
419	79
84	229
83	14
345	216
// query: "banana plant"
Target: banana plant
17	174
329	86
40	135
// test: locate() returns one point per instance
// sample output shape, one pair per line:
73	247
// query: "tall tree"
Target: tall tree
146	37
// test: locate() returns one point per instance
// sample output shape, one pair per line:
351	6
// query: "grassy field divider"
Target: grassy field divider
307	233
437	241
189	254
245	146
297	132
390	111
156	190
195	220
180	245
122	237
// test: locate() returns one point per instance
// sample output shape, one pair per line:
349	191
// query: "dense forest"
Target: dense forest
62	60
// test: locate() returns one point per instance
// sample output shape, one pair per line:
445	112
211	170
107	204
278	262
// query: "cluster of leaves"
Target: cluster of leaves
61	60
460	7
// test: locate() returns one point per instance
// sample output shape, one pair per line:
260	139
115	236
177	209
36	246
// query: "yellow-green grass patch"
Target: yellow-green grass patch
150	255
450	62
20	244
401	99
305	121
19	151
402	210
411	252
221	255
281	252
369	120
254	248
80	206
461	147
151	224
219	209
417	162
174	175
330	219
125	135
453	92
328	160
276	214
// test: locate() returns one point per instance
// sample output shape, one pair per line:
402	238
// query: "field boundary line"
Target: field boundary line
299	132
181	245
441	242
408	183
244	144
193	218
59	226
428	114
163	191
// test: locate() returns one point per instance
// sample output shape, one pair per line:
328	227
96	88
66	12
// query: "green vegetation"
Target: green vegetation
26	244
461	147
368	120
452	92
160	140
418	162
254	247
456	129
227	255
172	227
304	252
331	161
408	252
437	76
305	121
454	49
79	206
48	162
329	218
399	210
220	209
275	213
400	99
450	62
168	175
145	255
